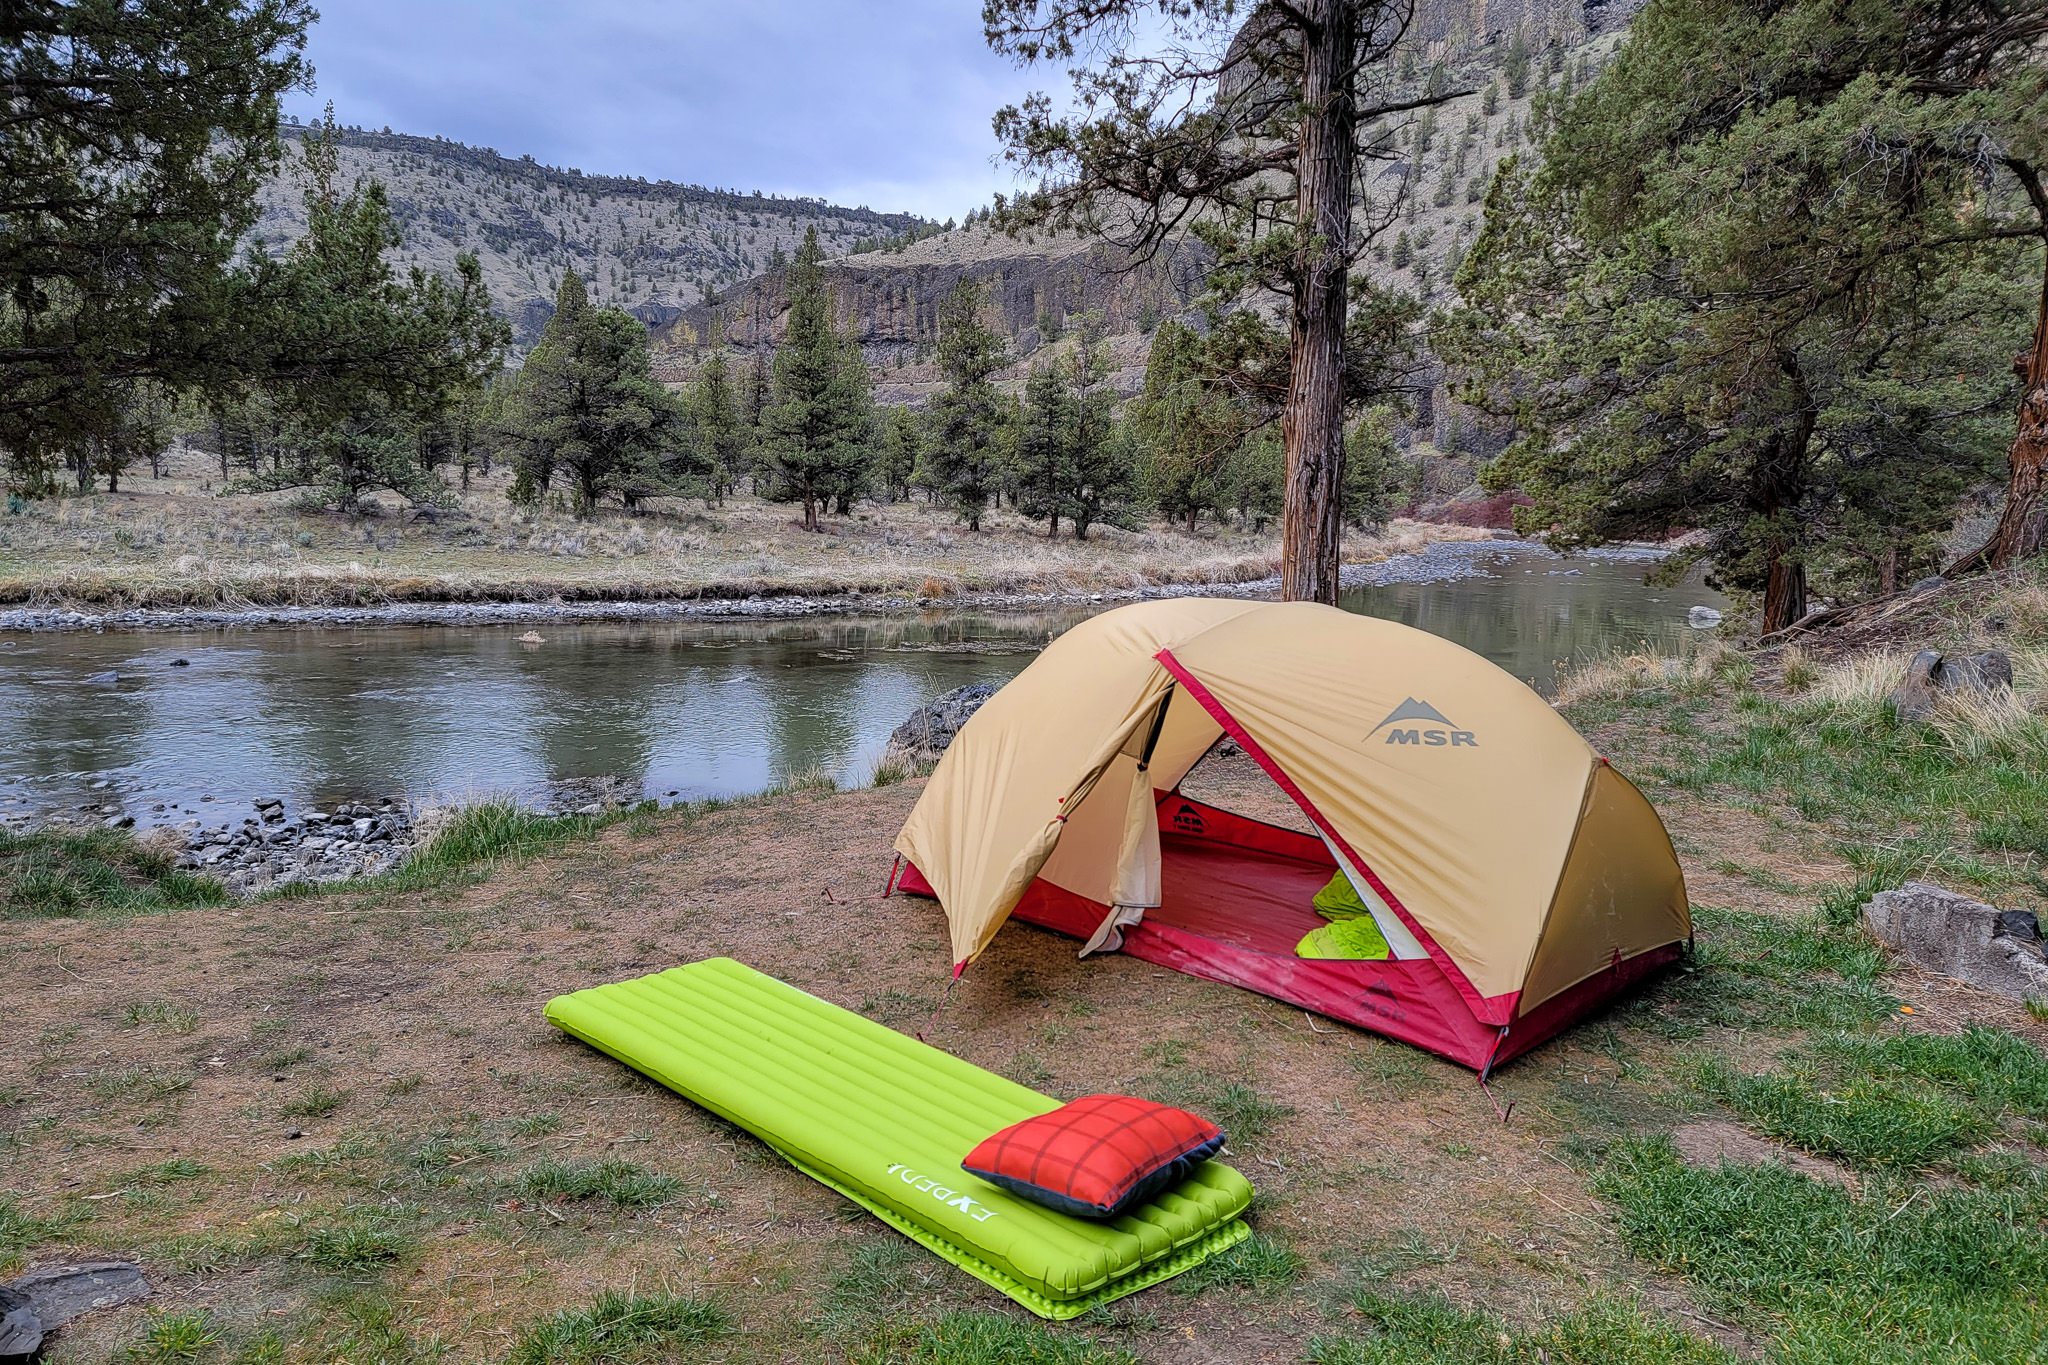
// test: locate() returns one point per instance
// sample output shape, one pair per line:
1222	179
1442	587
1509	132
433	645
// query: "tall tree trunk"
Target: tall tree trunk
810	509
1784	590
2022	524
1313	423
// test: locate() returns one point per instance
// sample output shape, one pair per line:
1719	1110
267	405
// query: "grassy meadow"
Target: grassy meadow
334	1126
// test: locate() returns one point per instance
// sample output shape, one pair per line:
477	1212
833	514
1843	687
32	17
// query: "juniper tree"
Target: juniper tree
965	456
1185	428
1045	445
1753	296
902	443
716	424
816	427
136	137
1272	175
1101	470
587	409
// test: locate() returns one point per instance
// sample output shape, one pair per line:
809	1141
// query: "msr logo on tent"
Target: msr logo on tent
1426	726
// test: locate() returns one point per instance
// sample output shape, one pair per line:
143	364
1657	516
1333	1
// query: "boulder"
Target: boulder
1962	938
924	736
1933	675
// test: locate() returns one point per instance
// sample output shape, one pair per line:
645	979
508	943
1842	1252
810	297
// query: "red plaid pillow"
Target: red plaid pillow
1098	1156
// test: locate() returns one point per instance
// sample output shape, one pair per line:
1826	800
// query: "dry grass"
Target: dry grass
176	543
1614	676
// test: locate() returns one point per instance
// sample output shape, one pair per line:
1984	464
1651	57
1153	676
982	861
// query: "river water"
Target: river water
153	723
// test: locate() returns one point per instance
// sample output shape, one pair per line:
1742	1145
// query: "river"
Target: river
168	726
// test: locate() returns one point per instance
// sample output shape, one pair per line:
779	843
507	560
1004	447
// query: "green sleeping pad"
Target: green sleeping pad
886	1120
1339	900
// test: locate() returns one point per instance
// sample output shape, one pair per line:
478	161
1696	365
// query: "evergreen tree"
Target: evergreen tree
1045	445
587	410
820	413
1717	304
1375	476
1102	475
1273	177
717	424
136	137
902	447
1185	429
964	460
360	360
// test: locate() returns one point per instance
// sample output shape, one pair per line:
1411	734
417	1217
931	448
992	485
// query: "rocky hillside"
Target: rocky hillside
651	246
1488	48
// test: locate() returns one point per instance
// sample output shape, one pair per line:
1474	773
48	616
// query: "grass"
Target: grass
1258	1264
173	1337
614	1182
316	1102
355	1246
622	1329
475	839
1427	1329
1897	1272
64	874
160	1014
986	1339
22	1232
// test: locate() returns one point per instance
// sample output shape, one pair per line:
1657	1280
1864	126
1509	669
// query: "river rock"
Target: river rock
1932	675
1959	937
920	740
1702	617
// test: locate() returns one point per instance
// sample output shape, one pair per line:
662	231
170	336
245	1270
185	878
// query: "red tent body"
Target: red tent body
1236	901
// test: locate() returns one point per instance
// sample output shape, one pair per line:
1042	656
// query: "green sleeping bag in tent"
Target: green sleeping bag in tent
1339	900
1354	940
886	1120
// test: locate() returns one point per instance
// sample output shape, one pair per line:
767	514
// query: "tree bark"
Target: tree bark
1784	590
1313	421
2023	525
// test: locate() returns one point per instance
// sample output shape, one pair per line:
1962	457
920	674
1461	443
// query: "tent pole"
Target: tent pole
889	887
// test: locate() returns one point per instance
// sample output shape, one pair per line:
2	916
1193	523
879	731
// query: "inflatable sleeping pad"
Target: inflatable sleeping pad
885	1120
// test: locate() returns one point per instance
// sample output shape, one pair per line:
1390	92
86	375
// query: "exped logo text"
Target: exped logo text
952	1199
1417	722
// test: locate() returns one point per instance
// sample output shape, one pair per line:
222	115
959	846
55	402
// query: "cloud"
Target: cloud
886	104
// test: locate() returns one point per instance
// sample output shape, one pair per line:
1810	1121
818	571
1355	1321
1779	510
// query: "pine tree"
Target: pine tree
1102	473
964	460
819	417
902	447
1045	446
1184	429
1281	210
1715	306
716	422
1375	476
587	409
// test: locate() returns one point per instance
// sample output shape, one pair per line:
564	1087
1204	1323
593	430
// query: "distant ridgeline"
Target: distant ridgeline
652	247
1507	52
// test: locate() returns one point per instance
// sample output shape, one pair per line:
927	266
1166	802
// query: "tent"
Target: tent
1518	880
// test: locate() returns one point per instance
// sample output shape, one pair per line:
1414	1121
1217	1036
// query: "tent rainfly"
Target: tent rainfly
1519	881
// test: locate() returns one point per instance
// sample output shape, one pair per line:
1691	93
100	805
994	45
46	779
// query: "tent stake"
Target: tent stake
1503	1114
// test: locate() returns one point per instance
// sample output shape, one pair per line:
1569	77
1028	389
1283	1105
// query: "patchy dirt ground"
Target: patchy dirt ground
226	1094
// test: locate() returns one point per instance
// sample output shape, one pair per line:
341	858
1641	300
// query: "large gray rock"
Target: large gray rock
1997	950
922	738
1933	675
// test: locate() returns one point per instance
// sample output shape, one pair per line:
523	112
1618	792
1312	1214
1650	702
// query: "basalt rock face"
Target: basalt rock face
1996	950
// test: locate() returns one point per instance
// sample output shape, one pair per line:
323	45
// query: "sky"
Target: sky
884	103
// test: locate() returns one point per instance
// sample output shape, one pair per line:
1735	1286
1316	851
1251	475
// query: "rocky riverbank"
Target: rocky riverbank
1436	562
272	850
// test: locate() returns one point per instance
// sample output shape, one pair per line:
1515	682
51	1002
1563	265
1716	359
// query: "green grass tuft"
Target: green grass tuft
623	1329
52	875
173	1337
1258	1264
615	1182
1429	1330
314	1103
358	1246
476	838
986	1339
159	1014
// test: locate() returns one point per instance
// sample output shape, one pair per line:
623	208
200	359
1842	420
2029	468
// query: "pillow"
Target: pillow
1339	900
1097	1156
1356	940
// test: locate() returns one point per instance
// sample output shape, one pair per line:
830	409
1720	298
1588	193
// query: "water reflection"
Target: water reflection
686	709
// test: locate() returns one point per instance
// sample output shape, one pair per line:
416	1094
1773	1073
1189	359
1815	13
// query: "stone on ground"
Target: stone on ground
1995	950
